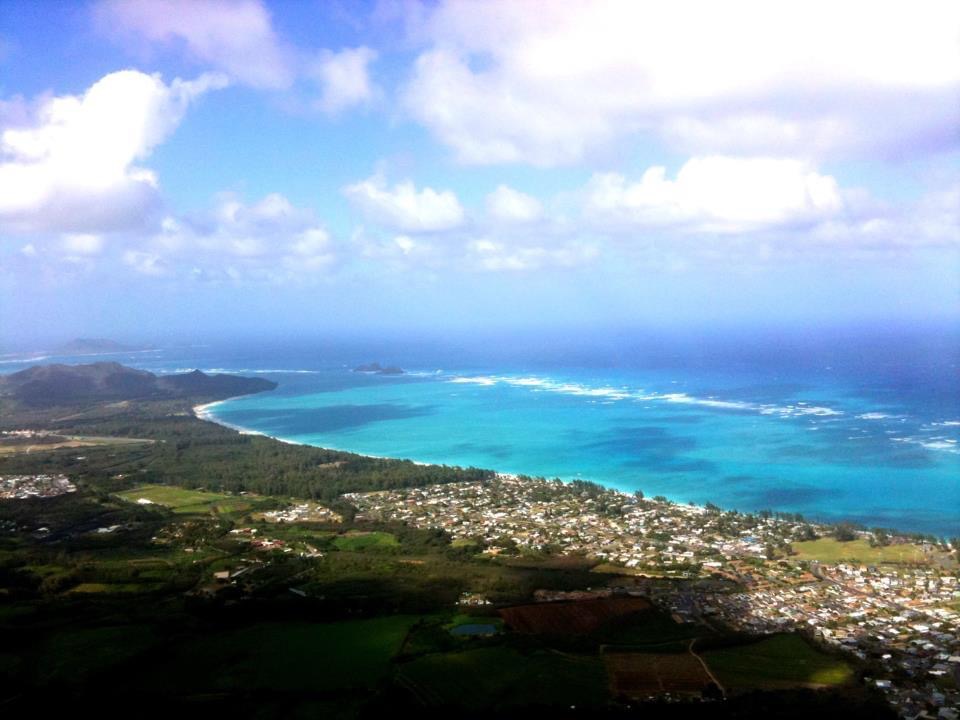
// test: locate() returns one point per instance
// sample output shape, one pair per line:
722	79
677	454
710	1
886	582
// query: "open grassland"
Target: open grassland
186	502
781	661
498	677
642	675
15	445
829	550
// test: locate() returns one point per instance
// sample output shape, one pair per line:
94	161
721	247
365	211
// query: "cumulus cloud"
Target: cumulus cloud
235	36
485	254
267	240
547	83
82	244
718	194
72	165
403	207
508	205
146	263
344	78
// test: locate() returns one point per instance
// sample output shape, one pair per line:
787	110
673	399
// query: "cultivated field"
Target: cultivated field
579	617
641	675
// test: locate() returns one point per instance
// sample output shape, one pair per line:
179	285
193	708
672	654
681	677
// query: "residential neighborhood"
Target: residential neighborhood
900	617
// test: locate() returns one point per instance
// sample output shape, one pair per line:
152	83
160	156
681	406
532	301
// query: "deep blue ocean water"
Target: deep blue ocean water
862	426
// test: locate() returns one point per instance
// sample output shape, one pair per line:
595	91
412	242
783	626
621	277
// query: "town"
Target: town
900	617
19	487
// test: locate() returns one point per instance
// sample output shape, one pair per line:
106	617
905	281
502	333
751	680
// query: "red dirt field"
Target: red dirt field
570	618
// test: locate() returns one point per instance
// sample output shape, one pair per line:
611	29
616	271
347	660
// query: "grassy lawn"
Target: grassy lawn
830	550
184	501
360	541
501	677
776	662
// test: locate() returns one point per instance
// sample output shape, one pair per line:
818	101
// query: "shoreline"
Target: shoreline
204	412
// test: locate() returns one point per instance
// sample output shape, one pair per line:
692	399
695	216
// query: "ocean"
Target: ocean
861	426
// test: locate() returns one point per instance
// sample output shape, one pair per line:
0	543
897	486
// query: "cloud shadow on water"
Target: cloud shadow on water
300	421
651	448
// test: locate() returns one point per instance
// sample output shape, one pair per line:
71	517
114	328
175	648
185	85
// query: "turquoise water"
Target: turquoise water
837	428
824	454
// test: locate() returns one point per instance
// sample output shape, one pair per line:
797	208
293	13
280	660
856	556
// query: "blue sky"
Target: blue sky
187	167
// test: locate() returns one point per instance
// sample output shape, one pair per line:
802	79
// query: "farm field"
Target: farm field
186	502
501	677
781	661
639	675
829	550
580	617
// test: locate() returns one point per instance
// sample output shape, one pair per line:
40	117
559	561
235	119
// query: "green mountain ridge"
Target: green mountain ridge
48	385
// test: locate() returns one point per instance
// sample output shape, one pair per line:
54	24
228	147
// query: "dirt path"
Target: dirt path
705	667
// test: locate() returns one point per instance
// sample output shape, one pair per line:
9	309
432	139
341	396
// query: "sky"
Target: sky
190	168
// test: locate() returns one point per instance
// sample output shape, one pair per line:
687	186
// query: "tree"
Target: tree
844	533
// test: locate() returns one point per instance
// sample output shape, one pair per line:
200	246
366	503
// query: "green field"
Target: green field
360	541
284	657
776	662
500	677
76	656
830	550
187	502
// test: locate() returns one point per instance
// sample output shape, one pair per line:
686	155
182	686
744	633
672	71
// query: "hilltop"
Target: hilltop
48	385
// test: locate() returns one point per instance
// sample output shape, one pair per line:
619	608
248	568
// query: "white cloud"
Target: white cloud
718	194
547	83
146	263
405	208
485	254
72	166
267	240
344	78
82	244
235	36
509	205
405	243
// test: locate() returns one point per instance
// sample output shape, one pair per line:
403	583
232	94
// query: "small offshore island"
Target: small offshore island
140	542
377	369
